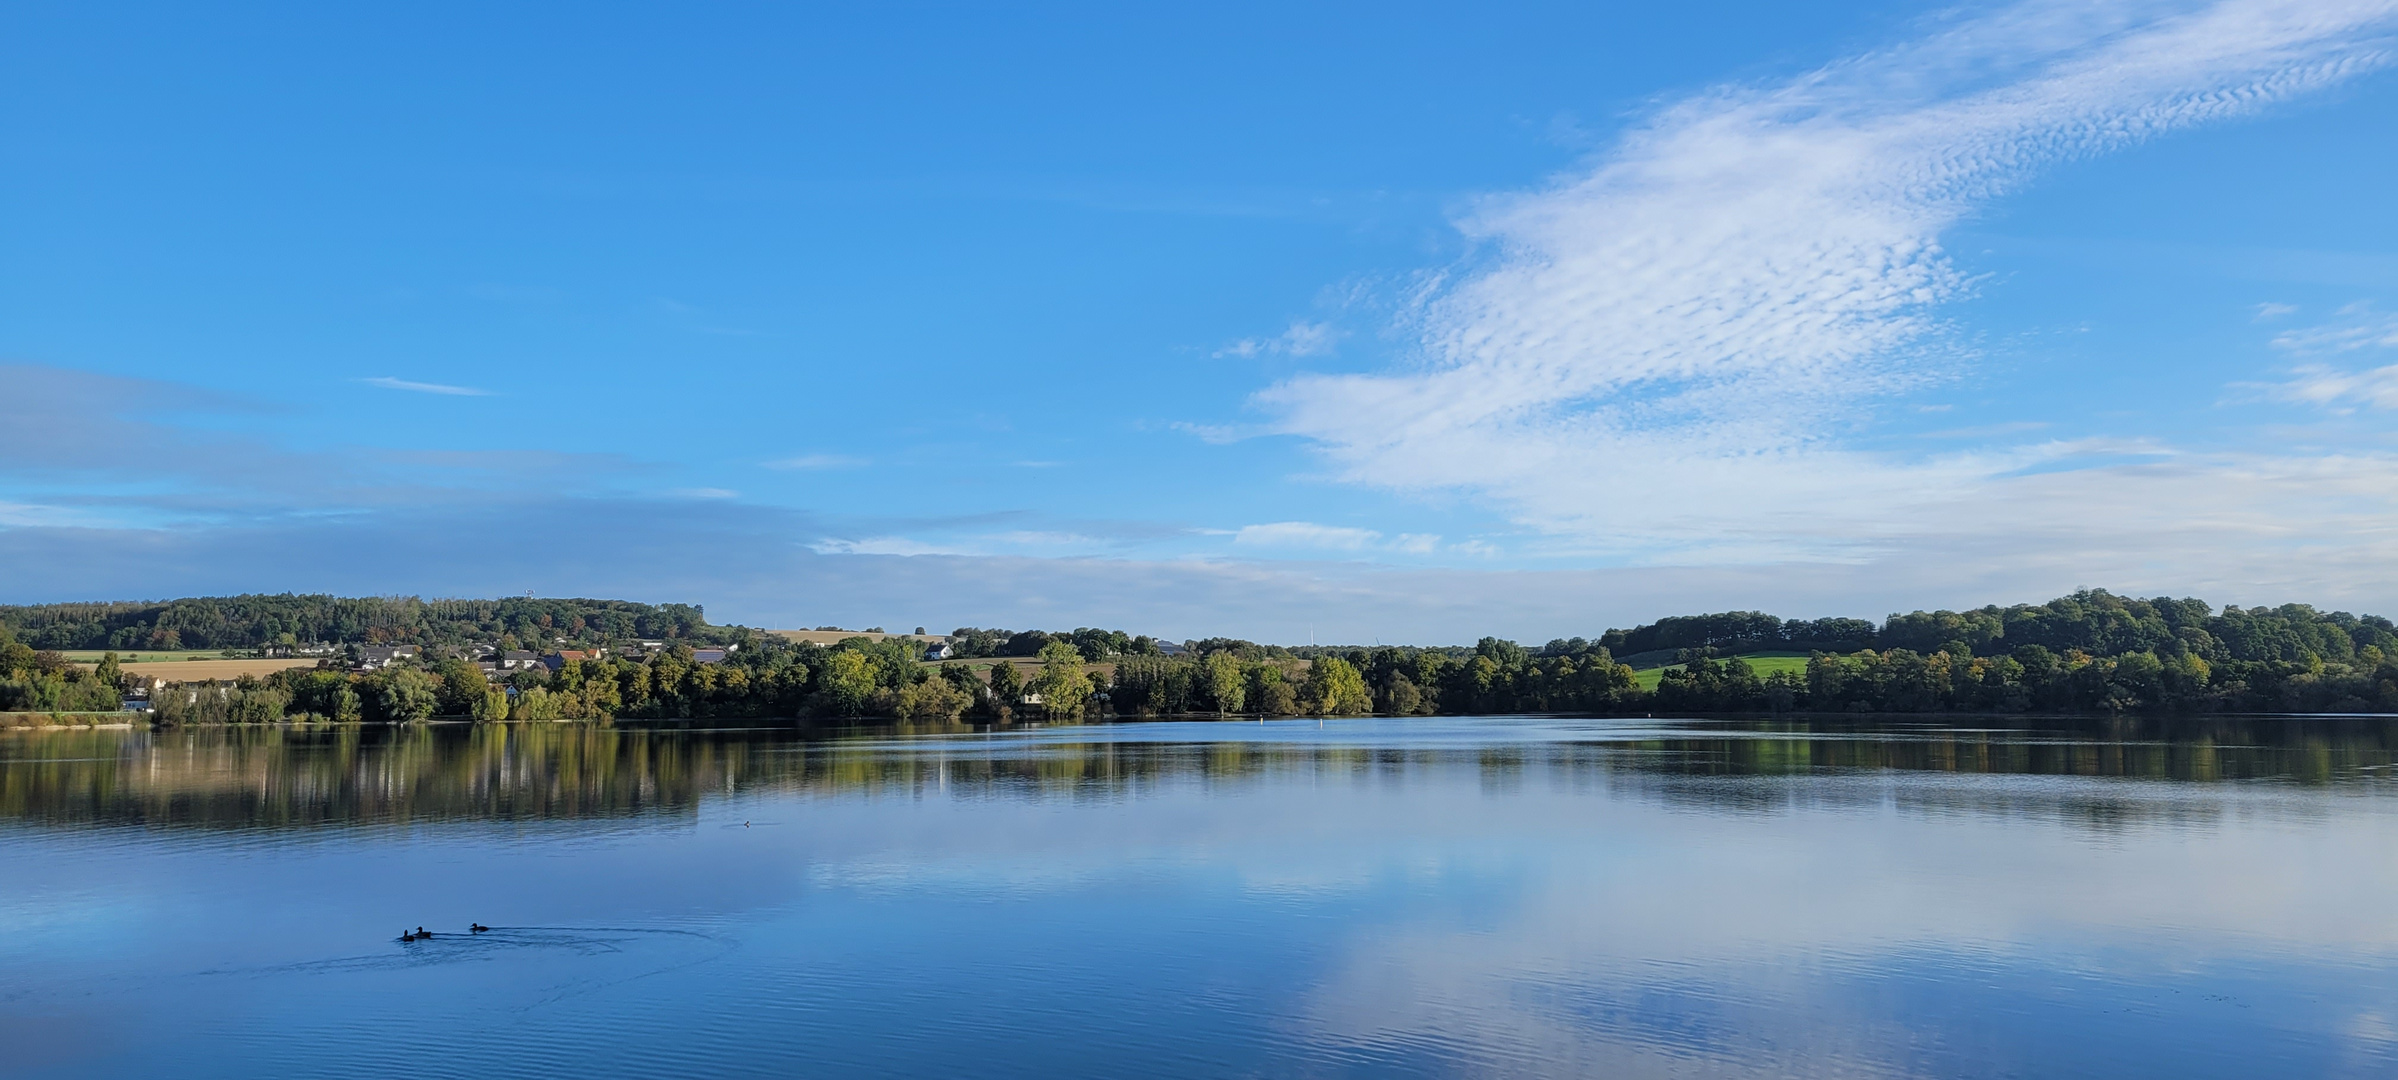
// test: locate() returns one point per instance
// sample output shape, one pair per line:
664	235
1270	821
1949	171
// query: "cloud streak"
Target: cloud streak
389	383
1666	355
816	463
1304	534
1301	339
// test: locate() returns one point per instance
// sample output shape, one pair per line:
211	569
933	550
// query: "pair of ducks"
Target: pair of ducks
423	934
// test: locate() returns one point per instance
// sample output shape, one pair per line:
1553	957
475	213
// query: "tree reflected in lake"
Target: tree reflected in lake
286	777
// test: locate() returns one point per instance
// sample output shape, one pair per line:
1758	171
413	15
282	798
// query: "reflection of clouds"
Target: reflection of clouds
1662	938
1717	868
1372	902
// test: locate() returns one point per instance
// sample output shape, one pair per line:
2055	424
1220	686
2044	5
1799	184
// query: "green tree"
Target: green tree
848	681
962	677
1062	685
1270	693
401	695
1227	684
1334	688
933	701
461	687
533	704
1007	687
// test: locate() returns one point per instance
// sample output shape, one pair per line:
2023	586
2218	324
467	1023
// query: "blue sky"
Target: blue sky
1397	322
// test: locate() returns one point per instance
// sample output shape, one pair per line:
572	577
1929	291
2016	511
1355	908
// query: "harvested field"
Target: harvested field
835	637
141	656
1025	666
204	670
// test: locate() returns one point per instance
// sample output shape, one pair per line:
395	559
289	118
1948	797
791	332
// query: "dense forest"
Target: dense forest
2088	653
251	622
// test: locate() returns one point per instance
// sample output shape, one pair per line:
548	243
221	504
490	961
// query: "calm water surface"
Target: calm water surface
1451	897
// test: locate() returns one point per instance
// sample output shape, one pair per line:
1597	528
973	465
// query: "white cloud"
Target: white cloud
1662	354
1309	535
816	462
705	493
2358	327
882	545
2339	391
738	559
2336	389
1037	538
2274	311
389	383
1301	339
1305	534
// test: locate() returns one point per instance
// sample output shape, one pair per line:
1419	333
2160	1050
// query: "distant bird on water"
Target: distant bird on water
476	927
406	936
422	933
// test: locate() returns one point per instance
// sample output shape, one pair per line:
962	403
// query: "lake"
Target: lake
1507	896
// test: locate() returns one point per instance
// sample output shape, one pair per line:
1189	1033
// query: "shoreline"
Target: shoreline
15	721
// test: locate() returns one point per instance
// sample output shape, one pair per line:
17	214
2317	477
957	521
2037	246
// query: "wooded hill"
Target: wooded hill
255	621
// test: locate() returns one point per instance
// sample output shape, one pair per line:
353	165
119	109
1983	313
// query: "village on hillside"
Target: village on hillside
144	675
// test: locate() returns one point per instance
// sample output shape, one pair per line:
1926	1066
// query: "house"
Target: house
490	670
707	656
938	650
518	659
557	661
375	657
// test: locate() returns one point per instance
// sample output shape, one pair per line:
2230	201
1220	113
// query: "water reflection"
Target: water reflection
1512	896
272	777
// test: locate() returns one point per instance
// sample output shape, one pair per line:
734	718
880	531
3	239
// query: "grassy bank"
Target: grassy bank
1764	664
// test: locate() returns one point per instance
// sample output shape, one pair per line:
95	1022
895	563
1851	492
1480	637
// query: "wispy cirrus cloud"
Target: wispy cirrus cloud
2359	326
2340	390
1304	534
1664	355
816	462
389	383
1307	535
1302	339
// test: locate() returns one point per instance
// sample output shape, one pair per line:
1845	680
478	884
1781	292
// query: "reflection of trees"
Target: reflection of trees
2216	748
283	776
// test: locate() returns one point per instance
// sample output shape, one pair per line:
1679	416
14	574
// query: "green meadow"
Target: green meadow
1764	664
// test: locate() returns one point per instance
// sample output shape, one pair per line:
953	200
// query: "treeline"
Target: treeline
777	679
43	681
2091	652
258	621
2036	679
1095	645
1494	676
770	678
2092	621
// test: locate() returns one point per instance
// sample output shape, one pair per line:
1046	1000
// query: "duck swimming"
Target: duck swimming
476	927
406	936
422	933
